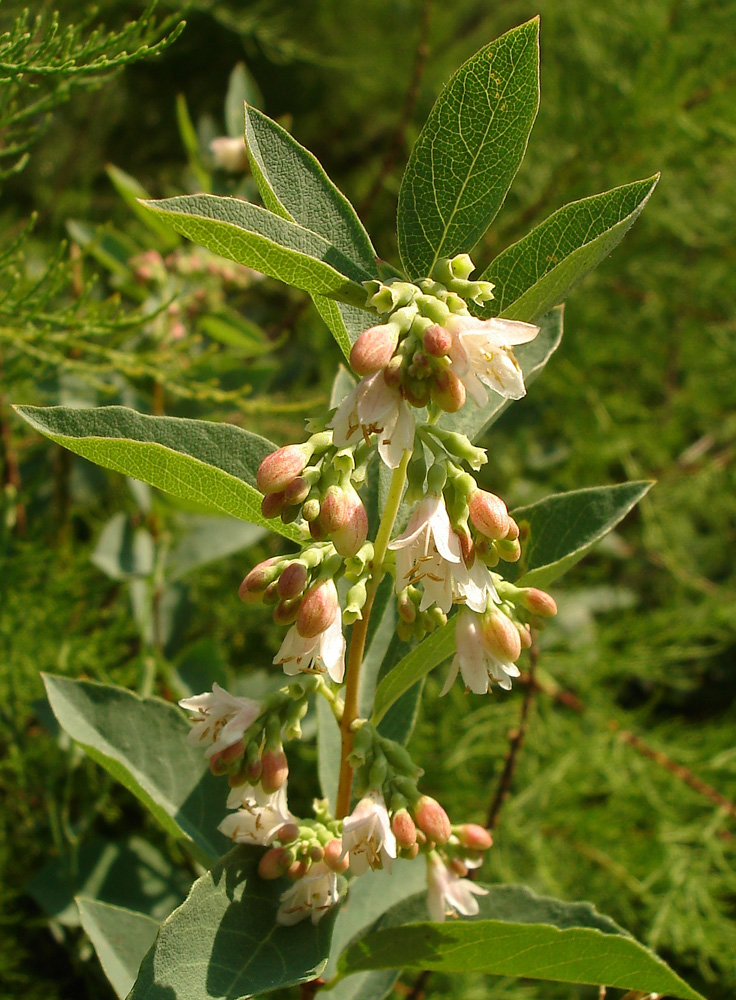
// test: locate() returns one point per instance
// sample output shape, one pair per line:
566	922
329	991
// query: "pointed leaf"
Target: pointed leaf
131	191
224	943
517	933
213	464
293	184
120	938
346	323
469	150
142	743
206	540
562	528
537	272
266	242
329	746
475	420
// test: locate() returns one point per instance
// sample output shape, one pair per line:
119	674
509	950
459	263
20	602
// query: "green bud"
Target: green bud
433	308
436	478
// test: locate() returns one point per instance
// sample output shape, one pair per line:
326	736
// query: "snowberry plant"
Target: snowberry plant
396	561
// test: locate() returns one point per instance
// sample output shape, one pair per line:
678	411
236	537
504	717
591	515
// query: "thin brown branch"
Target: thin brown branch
398	142
420	983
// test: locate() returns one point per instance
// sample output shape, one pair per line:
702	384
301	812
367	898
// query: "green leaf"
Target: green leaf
537	272
329	747
223	942
517	933
346	323
247	339
430	653
562	528
294	185
469	150
533	357
241	88
142	743
206	540
214	464
120	938
123	551
131	191
269	243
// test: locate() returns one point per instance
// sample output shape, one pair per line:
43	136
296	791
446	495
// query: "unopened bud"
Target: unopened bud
436	341
513	531
373	349
333	510
275	770
538	602
417	391
406	607
310	510
404	829
467	546
288	833
409	852
458	867
350	537
509	551
285	612
297	491
316	530
282	466
272	504
473	836
432	819
229	154
253	586
392	372
318	609
253	771
292	581
332	857
488	514
525	636
297	870
448	392
274	863
500	636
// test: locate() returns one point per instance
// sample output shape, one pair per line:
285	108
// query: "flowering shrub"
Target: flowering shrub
390	531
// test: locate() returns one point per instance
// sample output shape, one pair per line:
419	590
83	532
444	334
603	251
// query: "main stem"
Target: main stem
360	632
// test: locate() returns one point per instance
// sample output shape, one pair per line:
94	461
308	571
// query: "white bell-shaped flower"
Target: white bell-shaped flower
429	552
482	355
473	660
367	836
310	896
447	894
375	407
219	718
317	654
259	815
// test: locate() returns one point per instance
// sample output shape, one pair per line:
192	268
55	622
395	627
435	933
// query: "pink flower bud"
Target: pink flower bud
297	870
333	511
436	341
448	391
467	546
272	504
253	586
373	349
500	636
474	837
316	530
253	771
404	829
271	593
407	608
288	833
417	391
350	536
458	868
525	636
274	863
292	581
513	533
392	372
317	852
318	610
275	770
285	612
409	852
488	514
297	491
509	550
332	857
281	467
432	820
538	602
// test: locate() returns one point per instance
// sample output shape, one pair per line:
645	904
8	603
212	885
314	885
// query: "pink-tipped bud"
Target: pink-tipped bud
509	550
538	602
297	491
373	349
513	533
288	833
217	765
271	593
316	852
417	391
407	608
500	636
432	819
409	852
436	341
404	829
274	863
318	610
489	514
467	546
297	870
316	530
254	585
281	467
332	857
253	771
525	636
292	581
448	392
272	504
474	837
333	511
349	538
275	770
458	868
285	612
310	510
392	372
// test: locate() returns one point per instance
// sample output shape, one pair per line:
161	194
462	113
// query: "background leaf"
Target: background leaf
518	933
563	527
537	272
214	464
120	938
141	742
469	150
430	653
269	243
223	942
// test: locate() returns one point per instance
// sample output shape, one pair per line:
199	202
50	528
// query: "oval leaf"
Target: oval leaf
266	242
213	464
120	938
223	942
517	933
430	653
537	272
130	737
469	150
562	528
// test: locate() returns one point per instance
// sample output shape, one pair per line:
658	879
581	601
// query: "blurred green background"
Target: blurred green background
625	789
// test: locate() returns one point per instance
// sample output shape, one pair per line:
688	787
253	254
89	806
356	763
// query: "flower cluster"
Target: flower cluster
427	351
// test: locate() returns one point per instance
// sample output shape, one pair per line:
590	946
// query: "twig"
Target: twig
398	141
417	990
